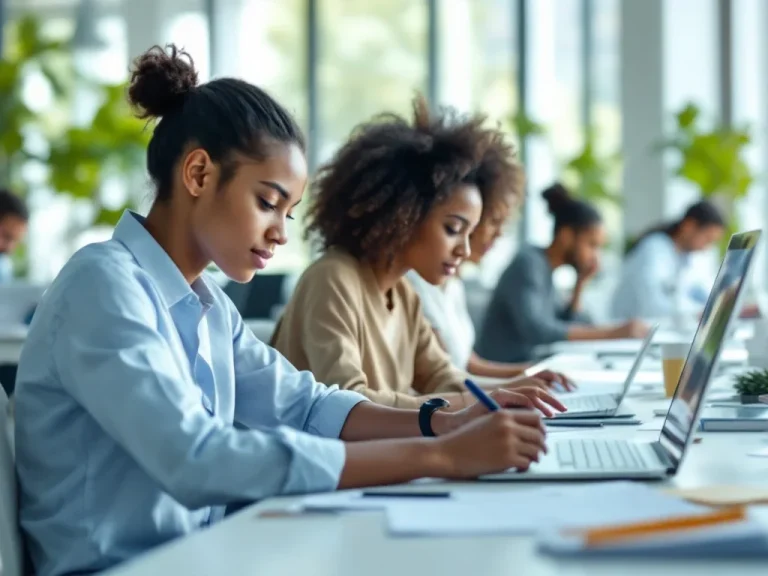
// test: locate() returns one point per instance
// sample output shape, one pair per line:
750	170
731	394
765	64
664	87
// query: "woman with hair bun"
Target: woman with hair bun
398	196
137	366
525	310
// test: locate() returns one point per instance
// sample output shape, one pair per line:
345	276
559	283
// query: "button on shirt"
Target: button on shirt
128	388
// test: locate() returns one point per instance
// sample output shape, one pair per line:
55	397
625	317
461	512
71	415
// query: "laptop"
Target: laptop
606	458
605	405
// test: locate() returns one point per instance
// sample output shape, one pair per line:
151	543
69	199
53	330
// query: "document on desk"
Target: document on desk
530	511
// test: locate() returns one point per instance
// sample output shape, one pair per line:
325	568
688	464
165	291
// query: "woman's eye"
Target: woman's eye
266	205
451	231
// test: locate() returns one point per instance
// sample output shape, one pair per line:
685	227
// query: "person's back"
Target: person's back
653	284
650	276
522	311
56	433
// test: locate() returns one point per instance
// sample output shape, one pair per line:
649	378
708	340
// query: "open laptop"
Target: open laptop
605	405
618	458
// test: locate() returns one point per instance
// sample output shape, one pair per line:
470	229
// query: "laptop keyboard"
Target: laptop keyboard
595	454
594	403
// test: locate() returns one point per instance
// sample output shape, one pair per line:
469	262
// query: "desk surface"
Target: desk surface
357	543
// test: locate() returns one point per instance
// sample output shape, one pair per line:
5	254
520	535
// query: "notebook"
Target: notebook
734	419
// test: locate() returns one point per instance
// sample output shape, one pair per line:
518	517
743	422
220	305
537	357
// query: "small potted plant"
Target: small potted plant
751	385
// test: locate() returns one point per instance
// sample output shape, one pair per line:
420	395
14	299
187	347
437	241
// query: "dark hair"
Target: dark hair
224	117
12	205
569	212
703	213
499	176
383	182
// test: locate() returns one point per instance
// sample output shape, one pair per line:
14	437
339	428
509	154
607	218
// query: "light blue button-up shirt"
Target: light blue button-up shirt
128	387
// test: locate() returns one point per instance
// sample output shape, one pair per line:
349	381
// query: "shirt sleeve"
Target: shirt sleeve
529	305
271	392
328	329
111	359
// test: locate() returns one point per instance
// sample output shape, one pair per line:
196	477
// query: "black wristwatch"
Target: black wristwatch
425	414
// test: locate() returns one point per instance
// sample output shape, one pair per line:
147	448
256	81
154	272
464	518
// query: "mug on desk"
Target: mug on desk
673	357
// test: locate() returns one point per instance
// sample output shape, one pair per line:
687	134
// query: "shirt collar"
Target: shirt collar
130	232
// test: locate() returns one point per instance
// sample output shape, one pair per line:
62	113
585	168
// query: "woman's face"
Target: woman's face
441	243
239	226
489	230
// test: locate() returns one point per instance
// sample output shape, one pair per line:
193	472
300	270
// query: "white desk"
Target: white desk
11	340
357	543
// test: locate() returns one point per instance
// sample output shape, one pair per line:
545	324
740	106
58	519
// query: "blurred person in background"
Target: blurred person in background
14	218
653	284
526	311
500	180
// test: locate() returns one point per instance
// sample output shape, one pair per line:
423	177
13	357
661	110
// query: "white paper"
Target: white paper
530	511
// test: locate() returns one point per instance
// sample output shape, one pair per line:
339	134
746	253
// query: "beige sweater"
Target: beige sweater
338	326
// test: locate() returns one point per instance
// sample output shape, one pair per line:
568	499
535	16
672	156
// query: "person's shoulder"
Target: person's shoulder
335	275
333	265
97	265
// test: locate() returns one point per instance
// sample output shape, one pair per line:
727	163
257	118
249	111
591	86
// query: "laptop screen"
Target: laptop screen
702	357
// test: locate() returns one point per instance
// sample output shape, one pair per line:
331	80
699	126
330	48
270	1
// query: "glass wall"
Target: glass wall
336	63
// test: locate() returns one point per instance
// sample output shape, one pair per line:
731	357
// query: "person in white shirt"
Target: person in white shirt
500	180
652	274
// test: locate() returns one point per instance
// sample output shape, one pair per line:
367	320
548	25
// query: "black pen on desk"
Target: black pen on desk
426	494
572	424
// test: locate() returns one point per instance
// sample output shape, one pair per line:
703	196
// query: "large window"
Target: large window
372	57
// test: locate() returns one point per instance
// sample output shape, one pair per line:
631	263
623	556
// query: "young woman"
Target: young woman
525	310
500	180
654	268
396	197
136	366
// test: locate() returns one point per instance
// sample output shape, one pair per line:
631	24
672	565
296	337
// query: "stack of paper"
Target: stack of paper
530	511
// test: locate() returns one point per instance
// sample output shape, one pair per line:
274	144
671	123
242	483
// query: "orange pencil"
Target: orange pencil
621	533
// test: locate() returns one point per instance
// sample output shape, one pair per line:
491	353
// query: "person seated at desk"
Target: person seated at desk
500	180
525	310
397	196
137	366
653	269
14	218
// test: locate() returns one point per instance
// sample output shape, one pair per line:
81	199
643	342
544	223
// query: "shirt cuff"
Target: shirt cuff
316	463
328	415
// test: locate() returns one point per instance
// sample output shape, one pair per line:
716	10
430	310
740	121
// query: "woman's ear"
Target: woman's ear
197	172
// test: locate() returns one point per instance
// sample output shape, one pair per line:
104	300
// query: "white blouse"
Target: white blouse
446	309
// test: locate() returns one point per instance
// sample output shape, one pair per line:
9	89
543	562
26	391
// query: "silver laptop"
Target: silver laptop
605	405
617	458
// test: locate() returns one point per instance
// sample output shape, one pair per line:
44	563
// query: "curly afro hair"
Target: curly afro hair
371	197
499	177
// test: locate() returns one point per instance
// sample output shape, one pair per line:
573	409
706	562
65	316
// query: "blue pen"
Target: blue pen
481	396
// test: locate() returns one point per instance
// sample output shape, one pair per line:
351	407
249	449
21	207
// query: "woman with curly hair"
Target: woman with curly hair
396	197
500	180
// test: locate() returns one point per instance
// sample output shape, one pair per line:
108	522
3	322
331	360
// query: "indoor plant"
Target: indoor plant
74	159
713	160
751	385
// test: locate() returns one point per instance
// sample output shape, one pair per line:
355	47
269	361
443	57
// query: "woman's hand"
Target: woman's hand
555	380
492	442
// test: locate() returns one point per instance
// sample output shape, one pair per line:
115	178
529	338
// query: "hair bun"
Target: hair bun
556	197
160	80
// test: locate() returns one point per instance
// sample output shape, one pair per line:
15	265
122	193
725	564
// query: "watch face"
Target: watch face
438	402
